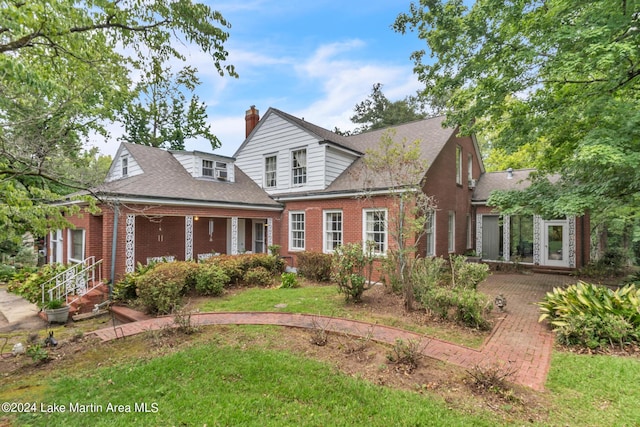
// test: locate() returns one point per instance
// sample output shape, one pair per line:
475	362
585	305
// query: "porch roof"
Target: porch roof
491	181
164	177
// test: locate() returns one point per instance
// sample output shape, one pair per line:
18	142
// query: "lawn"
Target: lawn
325	300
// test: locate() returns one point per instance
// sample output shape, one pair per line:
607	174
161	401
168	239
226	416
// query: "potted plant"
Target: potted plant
57	311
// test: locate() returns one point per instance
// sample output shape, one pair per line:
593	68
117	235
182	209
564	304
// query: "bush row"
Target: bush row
160	288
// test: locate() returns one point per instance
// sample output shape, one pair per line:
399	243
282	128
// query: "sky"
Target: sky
315	60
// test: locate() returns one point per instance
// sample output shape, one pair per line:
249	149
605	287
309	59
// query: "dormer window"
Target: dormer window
207	168
221	170
299	166
125	165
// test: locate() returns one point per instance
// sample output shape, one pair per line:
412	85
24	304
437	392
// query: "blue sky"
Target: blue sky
311	59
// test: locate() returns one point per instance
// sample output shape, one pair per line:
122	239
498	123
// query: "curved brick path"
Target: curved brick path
517	340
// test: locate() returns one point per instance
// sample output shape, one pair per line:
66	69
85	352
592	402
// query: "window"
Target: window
207	168
375	230
521	238
458	165
469	167
270	166
125	165
452	232
296	233
76	251
299	166
332	230
431	234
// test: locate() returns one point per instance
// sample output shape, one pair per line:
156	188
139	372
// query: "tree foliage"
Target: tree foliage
377	112
63	73
400	165
558	78
161	115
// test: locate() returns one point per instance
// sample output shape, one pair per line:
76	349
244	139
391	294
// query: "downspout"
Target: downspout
114	241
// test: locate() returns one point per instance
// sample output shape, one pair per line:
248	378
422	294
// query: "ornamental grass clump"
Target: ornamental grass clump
593	316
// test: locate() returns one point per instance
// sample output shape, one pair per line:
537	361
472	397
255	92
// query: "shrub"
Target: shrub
289	280
28	282
161	289
406	353
467	274
6	272
426	274
314	266
348	265
466	306
236	266
258	276
593	316
211	280
125	289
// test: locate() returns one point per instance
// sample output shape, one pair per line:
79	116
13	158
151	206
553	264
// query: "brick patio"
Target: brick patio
517	341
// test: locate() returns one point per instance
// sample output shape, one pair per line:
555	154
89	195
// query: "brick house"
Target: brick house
299	186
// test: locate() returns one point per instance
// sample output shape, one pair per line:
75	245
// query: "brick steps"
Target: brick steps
88	301
127	315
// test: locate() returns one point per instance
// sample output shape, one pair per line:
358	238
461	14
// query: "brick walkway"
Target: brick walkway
517	341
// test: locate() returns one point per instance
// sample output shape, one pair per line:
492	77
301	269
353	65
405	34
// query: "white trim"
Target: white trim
165	202
306	166
546	259
451	232
264	170
304	231
263	224
325	230
70	258
386	229
431	251
341	195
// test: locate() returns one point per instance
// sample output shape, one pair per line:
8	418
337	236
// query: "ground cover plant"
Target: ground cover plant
593	316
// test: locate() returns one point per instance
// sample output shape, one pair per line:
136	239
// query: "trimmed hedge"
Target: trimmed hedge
315	266
161	289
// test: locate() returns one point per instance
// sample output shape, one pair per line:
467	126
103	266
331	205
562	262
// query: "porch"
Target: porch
193	237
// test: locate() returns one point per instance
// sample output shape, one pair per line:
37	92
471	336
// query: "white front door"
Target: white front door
555	251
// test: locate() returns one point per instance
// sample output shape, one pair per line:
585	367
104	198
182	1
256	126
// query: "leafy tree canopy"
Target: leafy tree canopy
377	112
63	72
556	81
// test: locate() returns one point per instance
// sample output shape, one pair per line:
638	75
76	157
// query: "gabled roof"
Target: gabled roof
429	132
322	134
165	178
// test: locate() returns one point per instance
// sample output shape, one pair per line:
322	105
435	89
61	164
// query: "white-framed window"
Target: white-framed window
270	171
76	245
332	230
207	167
124	161
296	231
458	165
374	225
452	232
299	167
56	247
469	167
430	236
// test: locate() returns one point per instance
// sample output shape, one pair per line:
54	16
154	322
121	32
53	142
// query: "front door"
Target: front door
258	236
556	243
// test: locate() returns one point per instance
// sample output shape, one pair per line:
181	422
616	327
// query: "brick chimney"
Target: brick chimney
251	118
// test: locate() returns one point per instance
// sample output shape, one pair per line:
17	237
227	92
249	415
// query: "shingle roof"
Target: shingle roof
165	178
429	132
491	181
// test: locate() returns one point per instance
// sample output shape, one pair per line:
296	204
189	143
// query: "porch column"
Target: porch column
188	237
234	235
130	245
506	237
537	239
269	233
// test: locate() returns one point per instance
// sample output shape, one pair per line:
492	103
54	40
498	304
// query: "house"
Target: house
297	185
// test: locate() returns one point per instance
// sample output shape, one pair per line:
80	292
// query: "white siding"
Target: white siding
115	172
192	163
336	163
278	137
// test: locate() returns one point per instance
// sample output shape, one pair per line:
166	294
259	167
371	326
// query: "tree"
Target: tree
157	116
400	166
377	112
63	73
558	78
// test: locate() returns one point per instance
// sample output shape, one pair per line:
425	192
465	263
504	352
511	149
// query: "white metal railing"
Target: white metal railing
76	280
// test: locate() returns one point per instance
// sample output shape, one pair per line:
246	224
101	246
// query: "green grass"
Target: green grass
595	390
325	300
229	386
